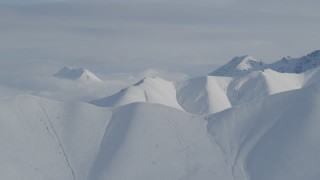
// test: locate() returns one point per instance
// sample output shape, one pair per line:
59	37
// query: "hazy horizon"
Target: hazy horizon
123	36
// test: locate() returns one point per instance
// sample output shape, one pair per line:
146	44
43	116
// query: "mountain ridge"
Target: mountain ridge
79	73
243	65
259	125
124	142
210	94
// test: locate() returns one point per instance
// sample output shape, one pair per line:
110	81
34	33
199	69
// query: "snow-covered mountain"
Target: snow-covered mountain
243	65
46	139
265	139
151	141
211	94
275	138
149	90
254	123
242	80
204	95
77	74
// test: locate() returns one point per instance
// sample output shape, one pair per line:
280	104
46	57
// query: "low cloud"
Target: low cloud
124	41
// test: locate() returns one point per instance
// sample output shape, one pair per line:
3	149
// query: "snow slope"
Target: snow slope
211	94
260	84
77	74
149	141
150	90
44	139
204	95
268	138
275	138
311	77
257	125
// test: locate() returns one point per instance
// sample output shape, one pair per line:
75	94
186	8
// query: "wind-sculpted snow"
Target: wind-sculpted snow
150	90
276	138
259	125
211	94
44	139
204	95
261	84
145	141
271	138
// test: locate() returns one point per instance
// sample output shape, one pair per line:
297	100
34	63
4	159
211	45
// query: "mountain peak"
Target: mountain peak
239	65
77	74
148	90
245	62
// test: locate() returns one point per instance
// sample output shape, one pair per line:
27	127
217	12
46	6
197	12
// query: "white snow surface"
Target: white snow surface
259	124
270	138
77	74
275	138
45	139
149	90
204	95
210	94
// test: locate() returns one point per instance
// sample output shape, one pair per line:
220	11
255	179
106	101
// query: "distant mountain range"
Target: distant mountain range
245	64
77	74
242	80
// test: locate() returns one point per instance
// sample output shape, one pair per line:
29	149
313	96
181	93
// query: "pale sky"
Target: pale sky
131	36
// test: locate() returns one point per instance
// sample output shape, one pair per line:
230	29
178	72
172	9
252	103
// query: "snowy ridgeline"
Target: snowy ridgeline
266	139
254	124
245	64
242	80
210	94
